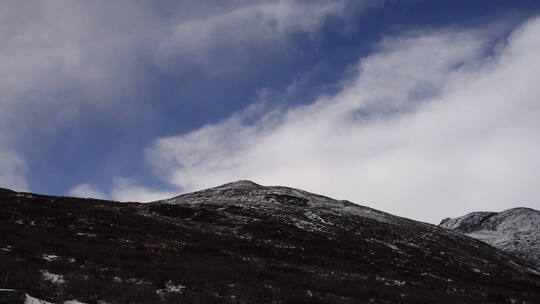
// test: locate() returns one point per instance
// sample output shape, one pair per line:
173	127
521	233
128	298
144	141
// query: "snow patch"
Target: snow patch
92	235
53	278
32	300
170	287
50	257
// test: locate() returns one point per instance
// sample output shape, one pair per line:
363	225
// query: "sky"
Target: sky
424	109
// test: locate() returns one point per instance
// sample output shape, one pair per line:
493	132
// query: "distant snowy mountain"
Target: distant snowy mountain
245	243
516	231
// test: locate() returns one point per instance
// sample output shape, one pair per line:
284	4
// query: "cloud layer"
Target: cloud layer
429	127
60	60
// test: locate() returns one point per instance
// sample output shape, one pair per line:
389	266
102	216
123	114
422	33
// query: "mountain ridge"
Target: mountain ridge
245	243
515	230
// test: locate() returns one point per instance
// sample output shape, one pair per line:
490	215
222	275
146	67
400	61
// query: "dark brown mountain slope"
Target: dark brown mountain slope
245	243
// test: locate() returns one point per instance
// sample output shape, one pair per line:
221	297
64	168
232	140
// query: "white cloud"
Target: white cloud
85	190
126	190
123	190
428	128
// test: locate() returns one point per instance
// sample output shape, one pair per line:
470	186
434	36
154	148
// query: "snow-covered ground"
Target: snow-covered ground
32	300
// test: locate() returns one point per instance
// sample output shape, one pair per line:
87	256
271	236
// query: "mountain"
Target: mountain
516	231
245	243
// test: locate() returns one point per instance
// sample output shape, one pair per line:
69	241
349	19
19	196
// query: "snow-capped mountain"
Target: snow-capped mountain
245	243
516	231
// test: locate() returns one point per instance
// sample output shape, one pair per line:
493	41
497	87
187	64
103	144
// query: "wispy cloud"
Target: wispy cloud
240	30
429	127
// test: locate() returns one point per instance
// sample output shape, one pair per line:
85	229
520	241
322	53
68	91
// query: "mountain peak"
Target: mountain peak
241	184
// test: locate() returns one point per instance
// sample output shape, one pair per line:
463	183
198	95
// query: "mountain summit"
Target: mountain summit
245	243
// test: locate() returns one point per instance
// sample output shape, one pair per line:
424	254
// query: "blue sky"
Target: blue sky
140	101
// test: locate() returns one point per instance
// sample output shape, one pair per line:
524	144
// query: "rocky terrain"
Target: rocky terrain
516	231
245	243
